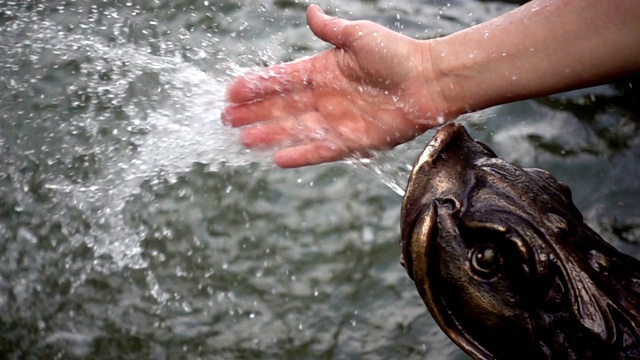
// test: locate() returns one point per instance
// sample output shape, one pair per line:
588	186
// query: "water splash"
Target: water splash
388	169
131	115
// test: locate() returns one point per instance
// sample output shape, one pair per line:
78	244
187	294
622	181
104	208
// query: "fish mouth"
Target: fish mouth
435	195
436	218
439	174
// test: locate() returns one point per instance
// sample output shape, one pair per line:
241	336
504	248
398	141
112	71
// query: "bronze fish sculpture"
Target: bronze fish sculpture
505	264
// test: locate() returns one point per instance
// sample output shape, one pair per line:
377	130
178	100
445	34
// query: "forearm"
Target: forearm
541	48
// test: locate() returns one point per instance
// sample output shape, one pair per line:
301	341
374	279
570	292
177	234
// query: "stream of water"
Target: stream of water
134	225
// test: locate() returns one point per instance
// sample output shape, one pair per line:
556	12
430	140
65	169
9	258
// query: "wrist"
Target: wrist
458	76
455	78
437	85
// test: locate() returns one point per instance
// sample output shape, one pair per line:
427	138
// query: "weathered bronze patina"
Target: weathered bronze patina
505	264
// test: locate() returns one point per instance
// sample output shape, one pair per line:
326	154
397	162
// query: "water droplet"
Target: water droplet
368	234
186	306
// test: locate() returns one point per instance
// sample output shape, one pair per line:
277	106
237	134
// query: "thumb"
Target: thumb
325	27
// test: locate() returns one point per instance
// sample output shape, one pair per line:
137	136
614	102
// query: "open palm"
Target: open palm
370	92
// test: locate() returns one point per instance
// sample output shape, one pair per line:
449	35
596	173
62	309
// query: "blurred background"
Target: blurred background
134	226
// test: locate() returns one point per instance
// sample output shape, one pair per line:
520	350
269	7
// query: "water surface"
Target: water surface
133	224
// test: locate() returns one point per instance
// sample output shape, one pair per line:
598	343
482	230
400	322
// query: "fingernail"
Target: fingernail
319	8
224	118
246	137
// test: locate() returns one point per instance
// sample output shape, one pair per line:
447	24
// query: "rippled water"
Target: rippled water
133	225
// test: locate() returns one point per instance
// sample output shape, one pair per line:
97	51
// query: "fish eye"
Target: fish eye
485	260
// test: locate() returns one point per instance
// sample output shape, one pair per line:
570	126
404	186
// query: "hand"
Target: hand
373	91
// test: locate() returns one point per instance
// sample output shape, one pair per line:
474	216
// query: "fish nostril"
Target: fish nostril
448	203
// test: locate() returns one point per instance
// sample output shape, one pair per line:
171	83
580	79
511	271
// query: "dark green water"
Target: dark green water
134	226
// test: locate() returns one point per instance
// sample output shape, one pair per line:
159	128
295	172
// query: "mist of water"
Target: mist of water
162	116
178	125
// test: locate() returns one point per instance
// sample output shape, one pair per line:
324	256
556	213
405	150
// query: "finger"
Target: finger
268	134
325	27
339	32
287	130
275	107
276	79
260	137
309	154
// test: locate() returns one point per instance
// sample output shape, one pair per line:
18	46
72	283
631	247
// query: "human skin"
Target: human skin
377	88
